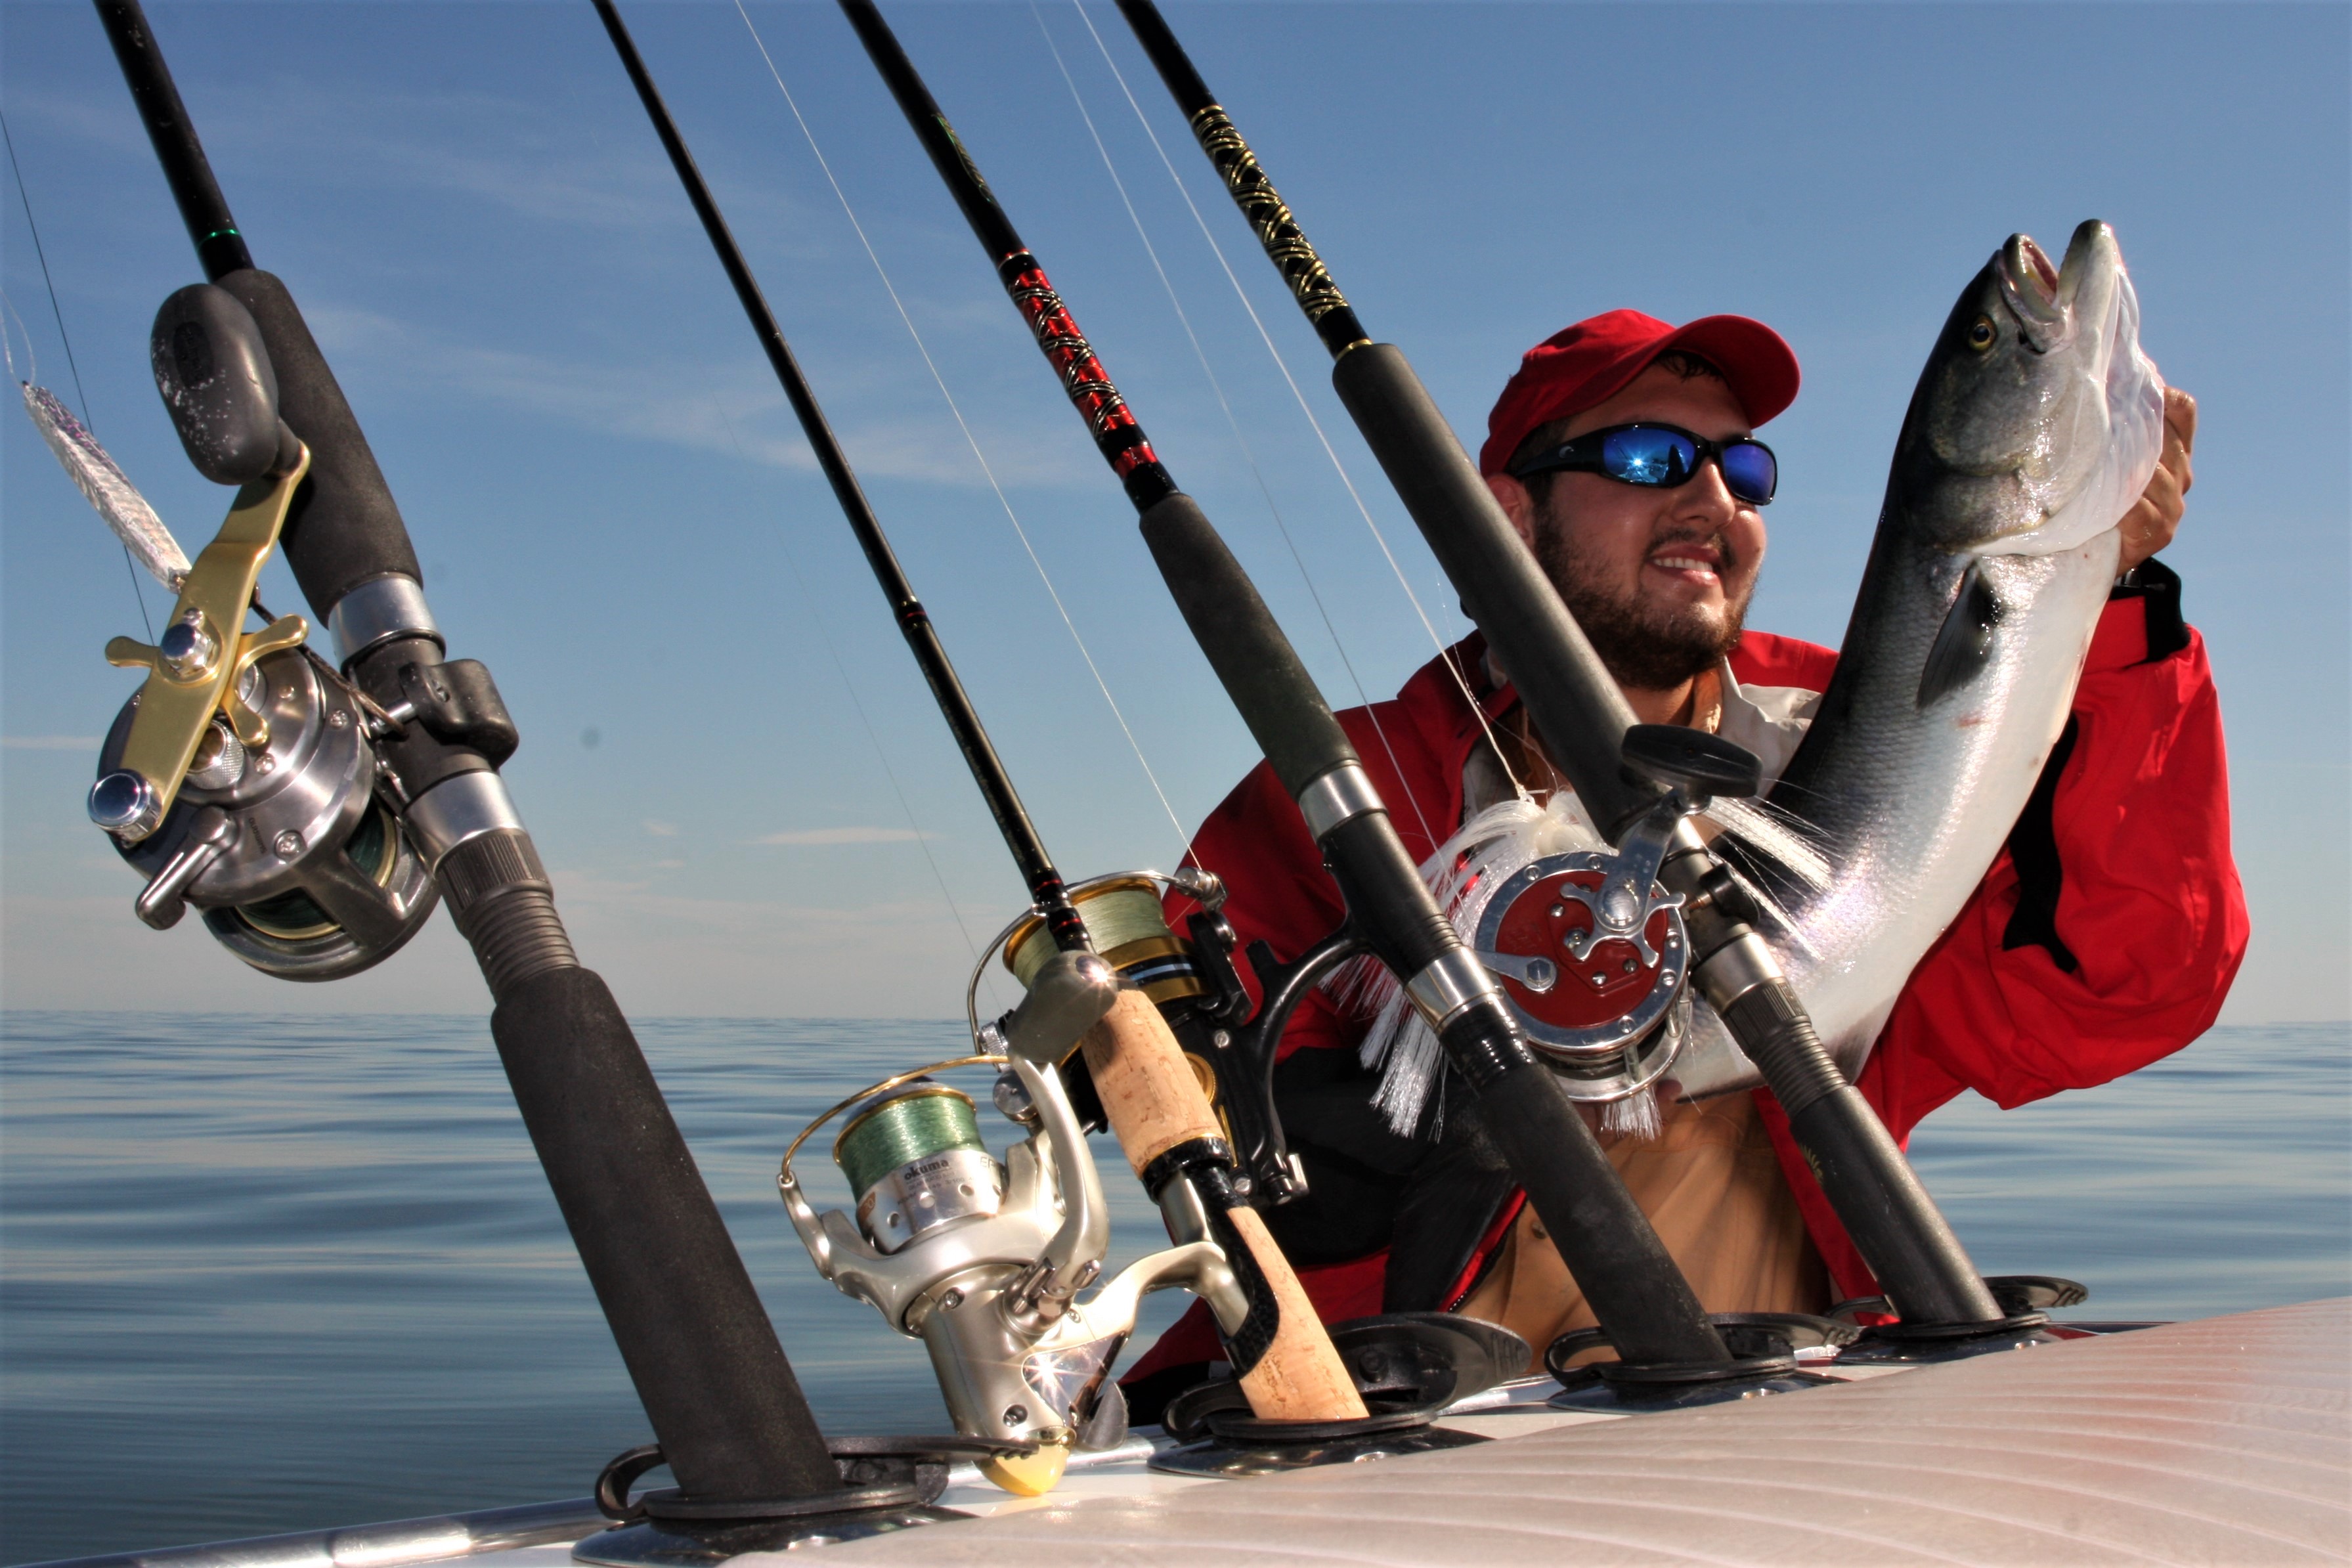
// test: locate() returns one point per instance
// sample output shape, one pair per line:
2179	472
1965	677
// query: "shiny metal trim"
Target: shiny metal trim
1455	981
465	806
1344	793
389	1545
1735	969
378	610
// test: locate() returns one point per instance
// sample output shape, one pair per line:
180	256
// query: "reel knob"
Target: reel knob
125	804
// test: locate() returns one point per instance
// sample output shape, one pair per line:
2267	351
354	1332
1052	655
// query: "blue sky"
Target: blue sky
616	513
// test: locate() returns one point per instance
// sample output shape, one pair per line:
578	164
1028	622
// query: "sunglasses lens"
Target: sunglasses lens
1749	472
1648	457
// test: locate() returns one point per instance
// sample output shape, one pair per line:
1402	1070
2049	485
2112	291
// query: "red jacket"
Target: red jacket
2105	937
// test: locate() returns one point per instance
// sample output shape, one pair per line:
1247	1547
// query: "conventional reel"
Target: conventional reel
242	777
983	1260
295	861
1590	951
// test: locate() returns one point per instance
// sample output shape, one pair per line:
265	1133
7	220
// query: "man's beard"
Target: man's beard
1645	649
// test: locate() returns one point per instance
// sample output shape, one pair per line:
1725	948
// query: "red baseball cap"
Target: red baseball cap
1582	366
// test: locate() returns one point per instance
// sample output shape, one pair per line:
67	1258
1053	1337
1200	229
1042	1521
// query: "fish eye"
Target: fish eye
1981	334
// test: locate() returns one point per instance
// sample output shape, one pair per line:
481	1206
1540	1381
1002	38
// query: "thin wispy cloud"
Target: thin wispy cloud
845	836
734	410
661	829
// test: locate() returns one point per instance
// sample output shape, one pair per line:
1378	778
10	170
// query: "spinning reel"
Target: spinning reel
1591	949
242	777
982	1261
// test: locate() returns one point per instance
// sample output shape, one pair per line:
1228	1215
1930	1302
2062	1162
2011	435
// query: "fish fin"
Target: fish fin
1964	644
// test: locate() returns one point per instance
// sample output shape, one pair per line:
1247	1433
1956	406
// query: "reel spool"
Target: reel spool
296	864
1121	914
915	1161
1592	958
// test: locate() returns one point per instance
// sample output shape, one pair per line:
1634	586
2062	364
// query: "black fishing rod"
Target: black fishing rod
1137	1068
1633	1286
732	1422
1046	890
1583	720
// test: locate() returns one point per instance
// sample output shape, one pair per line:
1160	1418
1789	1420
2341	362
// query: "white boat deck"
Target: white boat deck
2216	1443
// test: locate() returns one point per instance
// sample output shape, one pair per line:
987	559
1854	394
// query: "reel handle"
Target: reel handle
1155	1104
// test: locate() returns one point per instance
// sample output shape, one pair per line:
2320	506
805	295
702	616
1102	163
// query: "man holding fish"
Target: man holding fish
2103	935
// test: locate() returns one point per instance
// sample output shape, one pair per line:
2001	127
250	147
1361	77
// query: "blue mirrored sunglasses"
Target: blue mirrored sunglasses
1662	456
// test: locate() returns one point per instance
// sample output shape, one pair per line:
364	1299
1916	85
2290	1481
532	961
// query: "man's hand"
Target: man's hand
2149	526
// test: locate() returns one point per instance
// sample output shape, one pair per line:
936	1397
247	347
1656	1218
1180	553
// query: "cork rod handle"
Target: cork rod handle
1154	1103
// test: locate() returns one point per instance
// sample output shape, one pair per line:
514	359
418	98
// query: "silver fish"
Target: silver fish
2034	428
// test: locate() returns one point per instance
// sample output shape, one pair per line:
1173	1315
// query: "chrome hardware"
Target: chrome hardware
1338	795
1735	968
125	804
1012	1101
1455	981
187	647
220	759
164	900
1200	885
379	610
992	1290
294	864
1538	975
465	805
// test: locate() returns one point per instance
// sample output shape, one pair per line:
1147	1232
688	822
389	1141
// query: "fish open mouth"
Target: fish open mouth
2035	291
2039	269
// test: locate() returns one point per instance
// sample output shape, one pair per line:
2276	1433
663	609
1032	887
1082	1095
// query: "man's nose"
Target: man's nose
1708	495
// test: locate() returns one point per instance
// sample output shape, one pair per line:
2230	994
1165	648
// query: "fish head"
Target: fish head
2037	421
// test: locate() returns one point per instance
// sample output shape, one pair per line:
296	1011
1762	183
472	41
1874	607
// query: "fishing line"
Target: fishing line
1304	408
24	195
833	651
1362	697
1182	838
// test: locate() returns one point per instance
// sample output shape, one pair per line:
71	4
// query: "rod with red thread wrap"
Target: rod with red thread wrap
1636	1291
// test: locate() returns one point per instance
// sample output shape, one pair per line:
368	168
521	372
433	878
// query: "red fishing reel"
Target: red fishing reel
1592	956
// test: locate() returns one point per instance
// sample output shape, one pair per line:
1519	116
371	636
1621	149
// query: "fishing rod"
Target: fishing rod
1633	1286
1585	724
404	746
1139	1073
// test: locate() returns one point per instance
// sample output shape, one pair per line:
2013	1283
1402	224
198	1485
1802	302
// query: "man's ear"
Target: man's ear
1517	504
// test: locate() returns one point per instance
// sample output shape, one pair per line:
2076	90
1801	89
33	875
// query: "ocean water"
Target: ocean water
261	1274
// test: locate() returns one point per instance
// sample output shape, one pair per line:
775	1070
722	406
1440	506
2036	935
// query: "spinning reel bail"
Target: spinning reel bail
982	1260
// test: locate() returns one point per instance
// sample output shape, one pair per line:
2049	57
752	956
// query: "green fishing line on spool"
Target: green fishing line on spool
911	1123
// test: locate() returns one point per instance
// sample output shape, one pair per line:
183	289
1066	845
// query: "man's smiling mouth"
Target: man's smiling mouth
1692	563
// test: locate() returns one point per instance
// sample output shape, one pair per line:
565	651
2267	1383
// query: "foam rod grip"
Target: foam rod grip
344	527
1576	706
1154	1103
1253	660
724	1403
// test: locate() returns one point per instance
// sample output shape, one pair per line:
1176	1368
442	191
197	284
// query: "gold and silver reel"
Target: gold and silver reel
982	1259
295	862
